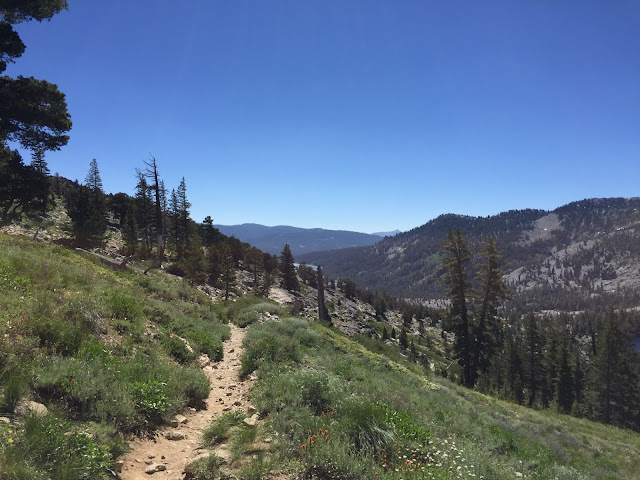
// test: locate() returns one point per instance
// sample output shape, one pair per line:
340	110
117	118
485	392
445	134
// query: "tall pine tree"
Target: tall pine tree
455	259
288	270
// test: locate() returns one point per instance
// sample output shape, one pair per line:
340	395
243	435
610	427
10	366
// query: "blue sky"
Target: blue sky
357	115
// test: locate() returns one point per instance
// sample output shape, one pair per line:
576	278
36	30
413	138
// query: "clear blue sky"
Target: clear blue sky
358	115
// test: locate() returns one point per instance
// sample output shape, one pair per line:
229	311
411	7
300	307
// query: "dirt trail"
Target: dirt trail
228	393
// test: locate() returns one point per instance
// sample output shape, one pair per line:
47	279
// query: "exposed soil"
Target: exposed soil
228	393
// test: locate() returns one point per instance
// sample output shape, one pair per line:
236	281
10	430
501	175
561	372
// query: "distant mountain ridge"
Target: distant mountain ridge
387	234
585	249
301	240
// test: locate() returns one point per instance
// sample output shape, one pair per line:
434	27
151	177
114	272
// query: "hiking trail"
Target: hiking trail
174	446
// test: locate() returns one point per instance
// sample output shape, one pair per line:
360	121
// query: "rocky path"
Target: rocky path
165	456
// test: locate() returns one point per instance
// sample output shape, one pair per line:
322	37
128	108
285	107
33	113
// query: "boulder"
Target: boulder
25	407
175	436
155	467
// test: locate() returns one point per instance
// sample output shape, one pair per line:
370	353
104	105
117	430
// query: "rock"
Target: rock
232	350
155	467
174	436
192	463
252	420
5	420
25	407
118	466
178	420
251	409
204	360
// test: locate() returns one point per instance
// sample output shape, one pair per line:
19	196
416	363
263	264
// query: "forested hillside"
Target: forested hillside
555	259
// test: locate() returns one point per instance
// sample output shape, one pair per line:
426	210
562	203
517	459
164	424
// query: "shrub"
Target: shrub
177	348
205	343
365	424
47	448
208	468
122	306
14	386
263	345
218	430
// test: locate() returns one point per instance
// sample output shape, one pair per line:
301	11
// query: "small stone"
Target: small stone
178	420
232	350
268	440
174	436
228	394
251	409
149	462
237	403
204	360
151	456
118	466
5	420
251	421
226	409
155	467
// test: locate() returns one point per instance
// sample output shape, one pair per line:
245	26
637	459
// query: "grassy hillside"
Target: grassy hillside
105	351
338	410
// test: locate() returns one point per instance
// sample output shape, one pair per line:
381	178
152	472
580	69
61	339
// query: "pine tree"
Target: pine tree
144	213
288	270
455	258
227	271
88	222
130	230
385	333
93	181
194	264
614	381
533	344
564	383
550	365
491	291
323	313
403	340
183	216
151	172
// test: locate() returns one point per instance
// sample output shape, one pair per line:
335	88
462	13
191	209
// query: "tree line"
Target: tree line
586	367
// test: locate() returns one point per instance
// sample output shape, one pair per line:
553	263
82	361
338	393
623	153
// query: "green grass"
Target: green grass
95	346
341	410
48	447
247	309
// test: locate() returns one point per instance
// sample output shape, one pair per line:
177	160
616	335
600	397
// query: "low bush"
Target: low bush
134	394
218	431
46	447
264	345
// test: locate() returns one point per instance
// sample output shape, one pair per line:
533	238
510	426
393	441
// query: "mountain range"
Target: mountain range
301	240
587	250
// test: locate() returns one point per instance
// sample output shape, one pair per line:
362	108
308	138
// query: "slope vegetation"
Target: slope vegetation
582	249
